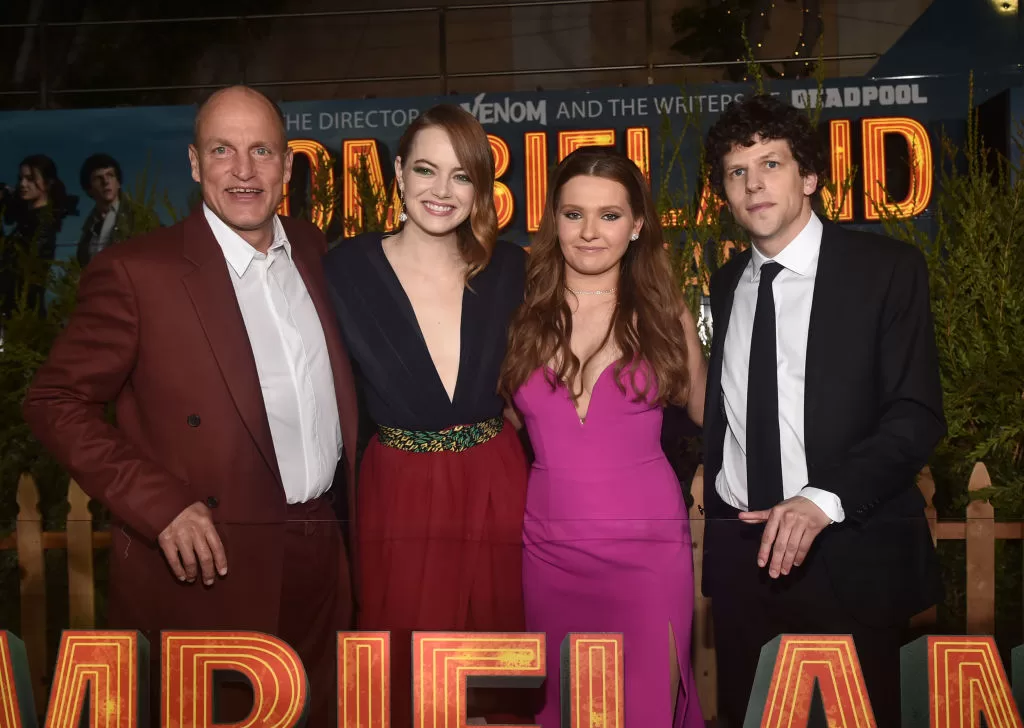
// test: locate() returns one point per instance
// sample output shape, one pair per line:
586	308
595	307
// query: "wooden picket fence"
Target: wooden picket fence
979	530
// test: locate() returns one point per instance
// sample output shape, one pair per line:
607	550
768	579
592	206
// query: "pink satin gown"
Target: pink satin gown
607	544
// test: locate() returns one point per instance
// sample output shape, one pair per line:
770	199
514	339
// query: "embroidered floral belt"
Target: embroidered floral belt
457	438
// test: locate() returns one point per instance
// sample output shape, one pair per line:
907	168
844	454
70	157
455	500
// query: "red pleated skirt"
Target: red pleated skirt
440	546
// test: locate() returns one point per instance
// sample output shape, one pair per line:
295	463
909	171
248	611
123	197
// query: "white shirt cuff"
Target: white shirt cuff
829	503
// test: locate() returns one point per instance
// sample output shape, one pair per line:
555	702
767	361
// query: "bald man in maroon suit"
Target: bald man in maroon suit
235	408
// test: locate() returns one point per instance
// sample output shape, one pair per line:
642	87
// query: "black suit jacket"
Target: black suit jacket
124	228
872	416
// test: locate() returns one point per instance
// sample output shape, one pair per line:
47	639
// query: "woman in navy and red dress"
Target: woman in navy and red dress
424	313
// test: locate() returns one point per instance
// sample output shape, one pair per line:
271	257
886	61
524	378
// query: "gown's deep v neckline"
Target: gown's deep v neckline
593	392
401	297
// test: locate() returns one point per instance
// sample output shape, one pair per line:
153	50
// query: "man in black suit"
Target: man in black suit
823	404
113	219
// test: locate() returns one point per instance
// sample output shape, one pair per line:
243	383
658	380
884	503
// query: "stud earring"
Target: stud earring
634	236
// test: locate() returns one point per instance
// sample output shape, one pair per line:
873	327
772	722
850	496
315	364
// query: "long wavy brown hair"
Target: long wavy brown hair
479	232
646	324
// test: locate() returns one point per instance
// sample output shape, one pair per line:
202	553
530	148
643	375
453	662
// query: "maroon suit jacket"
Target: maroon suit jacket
158	332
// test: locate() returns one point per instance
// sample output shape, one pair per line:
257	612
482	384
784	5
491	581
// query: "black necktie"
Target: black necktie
764	453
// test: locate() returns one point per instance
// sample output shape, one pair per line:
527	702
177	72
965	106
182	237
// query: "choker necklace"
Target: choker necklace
591	293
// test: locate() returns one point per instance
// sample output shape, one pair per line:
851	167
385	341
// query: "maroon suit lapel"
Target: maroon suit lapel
213	296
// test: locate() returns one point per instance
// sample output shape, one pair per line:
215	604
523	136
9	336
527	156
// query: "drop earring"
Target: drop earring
402	217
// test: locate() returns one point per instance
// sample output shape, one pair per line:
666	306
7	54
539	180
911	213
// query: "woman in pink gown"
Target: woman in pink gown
602	342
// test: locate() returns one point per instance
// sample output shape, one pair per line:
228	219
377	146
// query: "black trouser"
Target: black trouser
749	609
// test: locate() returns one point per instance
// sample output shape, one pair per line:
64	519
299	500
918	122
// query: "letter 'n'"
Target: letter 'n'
956	680
809	680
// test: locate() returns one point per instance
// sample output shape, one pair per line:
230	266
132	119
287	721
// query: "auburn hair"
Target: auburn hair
478	233
646	323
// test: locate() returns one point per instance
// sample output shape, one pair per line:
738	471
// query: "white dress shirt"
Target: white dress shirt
793	289
294	367
100	241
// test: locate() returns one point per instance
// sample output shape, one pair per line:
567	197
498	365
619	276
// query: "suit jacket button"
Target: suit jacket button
212	502
193	420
